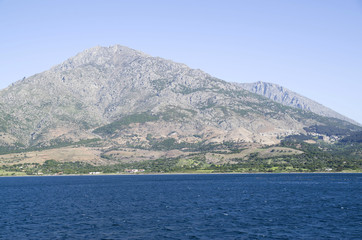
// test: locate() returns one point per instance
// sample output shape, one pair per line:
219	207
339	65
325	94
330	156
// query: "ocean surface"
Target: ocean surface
222	206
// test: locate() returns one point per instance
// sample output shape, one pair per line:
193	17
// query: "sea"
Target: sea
205	206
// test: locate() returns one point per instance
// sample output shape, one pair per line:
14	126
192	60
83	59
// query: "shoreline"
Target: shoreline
179	173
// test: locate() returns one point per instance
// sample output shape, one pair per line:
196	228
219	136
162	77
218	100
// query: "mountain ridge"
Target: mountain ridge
287	97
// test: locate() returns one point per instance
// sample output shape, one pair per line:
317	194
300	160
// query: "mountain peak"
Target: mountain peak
112	55
113	50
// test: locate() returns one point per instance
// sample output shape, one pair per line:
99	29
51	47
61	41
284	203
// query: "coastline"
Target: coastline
179	173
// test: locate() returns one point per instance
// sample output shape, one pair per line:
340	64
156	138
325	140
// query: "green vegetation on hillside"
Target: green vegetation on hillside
171	113
134	118
55	143
319	157
329	130
355	137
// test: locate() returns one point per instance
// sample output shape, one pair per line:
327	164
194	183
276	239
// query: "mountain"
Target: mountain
289	98
116	103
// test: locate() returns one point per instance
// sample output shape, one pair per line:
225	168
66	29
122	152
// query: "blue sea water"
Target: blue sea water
225	206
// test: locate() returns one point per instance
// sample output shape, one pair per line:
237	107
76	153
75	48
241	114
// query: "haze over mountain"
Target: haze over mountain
131	99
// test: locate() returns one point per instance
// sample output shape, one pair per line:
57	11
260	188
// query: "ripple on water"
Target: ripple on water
262	206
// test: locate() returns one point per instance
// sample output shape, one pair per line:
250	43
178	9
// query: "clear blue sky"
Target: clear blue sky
313	47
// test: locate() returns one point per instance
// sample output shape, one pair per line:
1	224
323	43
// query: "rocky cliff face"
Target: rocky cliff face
132	98
289	98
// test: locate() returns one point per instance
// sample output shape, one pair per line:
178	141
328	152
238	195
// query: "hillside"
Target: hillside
121	105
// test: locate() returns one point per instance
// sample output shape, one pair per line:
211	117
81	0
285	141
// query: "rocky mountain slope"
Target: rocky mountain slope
289	98
130	99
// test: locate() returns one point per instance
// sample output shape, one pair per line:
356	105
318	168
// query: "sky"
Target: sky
312	47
